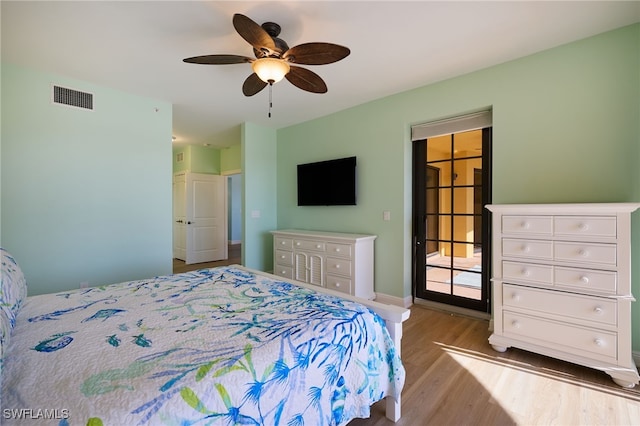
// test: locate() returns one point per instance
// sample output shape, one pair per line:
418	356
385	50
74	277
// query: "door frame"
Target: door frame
419	248
179	216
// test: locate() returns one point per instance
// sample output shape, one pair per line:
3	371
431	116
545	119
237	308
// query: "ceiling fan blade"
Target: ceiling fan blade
253	85
316	53
218	59
253	33
307	80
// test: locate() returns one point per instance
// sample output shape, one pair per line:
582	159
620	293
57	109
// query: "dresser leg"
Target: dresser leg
624	383
499	348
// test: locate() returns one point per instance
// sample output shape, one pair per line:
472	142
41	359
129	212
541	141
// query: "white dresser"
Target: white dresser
562	283
338	261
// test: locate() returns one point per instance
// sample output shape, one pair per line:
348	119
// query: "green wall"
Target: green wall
206	159
634	156
197	159
259	183
86	195
565	129
0	156
231	159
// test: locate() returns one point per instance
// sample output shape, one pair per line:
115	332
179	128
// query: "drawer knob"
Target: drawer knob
525	272
515	296
525	225
298	244
337	266
584	279
598	310
598	342
282	257
583	253
515	324
583	226
337	250
318	246
525	248
337	285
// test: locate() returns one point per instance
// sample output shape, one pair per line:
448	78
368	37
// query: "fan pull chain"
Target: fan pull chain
270	97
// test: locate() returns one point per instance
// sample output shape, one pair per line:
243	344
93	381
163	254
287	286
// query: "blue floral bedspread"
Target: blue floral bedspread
214	346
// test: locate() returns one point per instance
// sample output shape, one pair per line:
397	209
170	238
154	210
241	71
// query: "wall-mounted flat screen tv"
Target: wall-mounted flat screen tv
327	183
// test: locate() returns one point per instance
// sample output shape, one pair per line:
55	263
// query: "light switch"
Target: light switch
386	215
255	214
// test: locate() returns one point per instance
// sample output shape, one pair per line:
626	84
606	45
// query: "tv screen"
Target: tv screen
327	183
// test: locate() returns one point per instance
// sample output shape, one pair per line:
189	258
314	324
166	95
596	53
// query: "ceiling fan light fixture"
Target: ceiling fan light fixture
273	58
270	70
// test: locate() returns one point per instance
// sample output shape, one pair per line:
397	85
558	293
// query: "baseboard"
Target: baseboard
394	300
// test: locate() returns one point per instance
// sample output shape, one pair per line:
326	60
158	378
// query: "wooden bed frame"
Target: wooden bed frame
393	316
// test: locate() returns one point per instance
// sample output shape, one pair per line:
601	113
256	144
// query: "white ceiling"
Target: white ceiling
138	47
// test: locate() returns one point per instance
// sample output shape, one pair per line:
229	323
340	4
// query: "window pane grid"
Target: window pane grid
455	259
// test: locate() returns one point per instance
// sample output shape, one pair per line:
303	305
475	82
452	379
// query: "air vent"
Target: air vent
74	98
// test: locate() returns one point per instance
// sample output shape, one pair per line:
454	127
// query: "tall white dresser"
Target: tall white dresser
562	283
338	261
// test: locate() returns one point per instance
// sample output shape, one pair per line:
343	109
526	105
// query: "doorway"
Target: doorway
452	183
235	222
234	205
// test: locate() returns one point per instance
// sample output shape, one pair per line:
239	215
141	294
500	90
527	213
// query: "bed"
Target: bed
223	345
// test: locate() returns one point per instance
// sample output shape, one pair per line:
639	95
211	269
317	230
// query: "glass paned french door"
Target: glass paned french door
451	187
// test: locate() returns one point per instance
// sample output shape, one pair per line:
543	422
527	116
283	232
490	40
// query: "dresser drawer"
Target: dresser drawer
342	250
309	245
586	279
283	243
538	225
587	226
557	335
531	249
589	280
570	305
284	258
527	272
283	271
338	266
603	254
340	284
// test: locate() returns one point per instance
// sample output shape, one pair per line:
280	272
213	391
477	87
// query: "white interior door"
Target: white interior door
206	218
179	216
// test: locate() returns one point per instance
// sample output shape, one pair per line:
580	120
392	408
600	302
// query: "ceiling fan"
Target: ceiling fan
274	59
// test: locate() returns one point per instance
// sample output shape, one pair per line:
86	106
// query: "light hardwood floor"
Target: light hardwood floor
454	377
